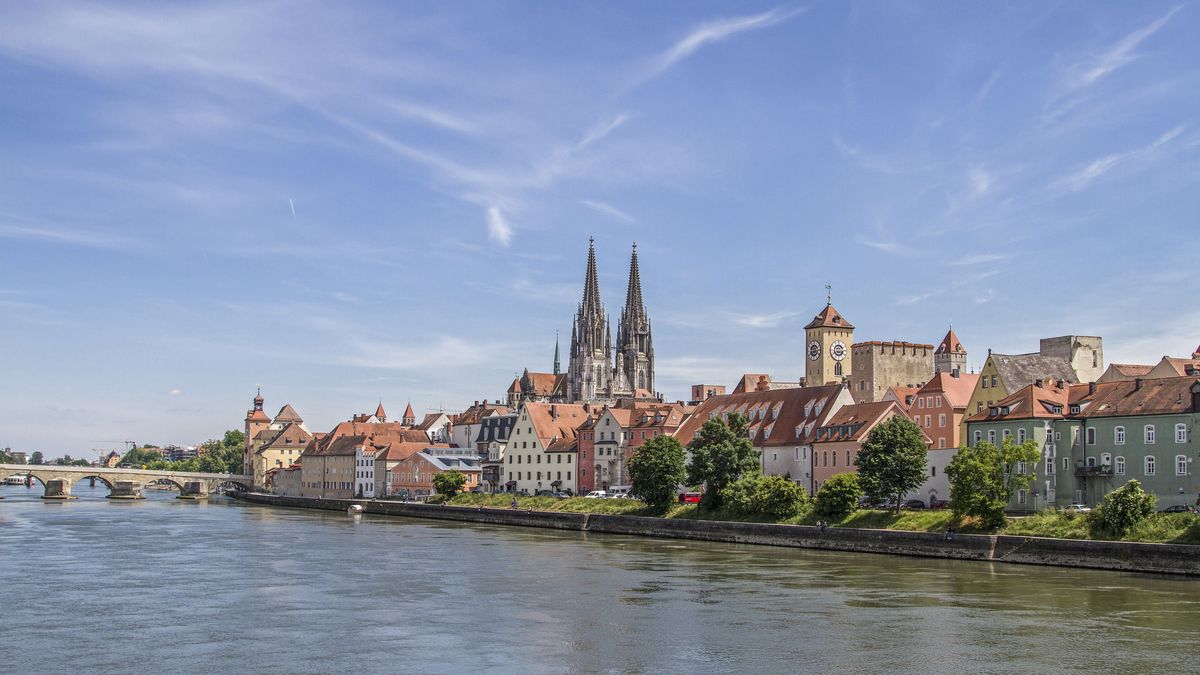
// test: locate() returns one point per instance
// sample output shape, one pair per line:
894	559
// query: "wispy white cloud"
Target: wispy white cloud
499	230
602	129
607	209
771	320
434	117
1083	177
713	32
69	237
914	299
981	258
1119	54
175	392
980	180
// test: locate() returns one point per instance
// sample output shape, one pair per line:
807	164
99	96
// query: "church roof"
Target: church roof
950	344
408	412
829	318
379	413
257	415
633	294
591	283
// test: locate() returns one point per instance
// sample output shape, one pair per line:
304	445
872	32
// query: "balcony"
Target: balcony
1084	471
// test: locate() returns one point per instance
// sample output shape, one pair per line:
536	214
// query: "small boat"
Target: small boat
14	480
354	509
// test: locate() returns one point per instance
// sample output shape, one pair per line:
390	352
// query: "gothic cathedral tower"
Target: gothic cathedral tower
635	347
828	338
589	371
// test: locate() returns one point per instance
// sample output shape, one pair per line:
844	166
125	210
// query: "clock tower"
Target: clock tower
827	340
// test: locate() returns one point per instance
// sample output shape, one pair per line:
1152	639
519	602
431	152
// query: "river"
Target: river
167	585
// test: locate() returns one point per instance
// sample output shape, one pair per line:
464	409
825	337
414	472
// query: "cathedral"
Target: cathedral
594	373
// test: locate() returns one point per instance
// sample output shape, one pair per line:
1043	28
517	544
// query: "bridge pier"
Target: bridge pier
58	488
194	489
126	489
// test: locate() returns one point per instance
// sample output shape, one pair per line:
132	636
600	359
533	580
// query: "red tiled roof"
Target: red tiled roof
829	318
555	420
288	414
257	416
950	344
408	412
786	414
1032	402
956	390
854	422
1131	369
1148	397
379	413
901	395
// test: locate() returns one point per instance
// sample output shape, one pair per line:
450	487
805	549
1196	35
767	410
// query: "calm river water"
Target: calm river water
166	585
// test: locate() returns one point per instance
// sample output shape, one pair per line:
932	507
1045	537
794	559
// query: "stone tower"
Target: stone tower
950	356
828	338
256	421
635	347
589	371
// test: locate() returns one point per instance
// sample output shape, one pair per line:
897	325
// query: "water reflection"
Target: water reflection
224	585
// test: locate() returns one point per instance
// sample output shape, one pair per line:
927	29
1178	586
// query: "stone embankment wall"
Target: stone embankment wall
1109	555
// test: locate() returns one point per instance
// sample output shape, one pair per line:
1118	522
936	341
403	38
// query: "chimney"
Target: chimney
1059	384
554	412
1091	388
1039	382
1137	383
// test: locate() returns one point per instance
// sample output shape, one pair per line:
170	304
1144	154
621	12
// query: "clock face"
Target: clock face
837	350
814	350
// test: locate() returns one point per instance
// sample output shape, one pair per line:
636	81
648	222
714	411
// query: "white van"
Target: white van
596	494
619	491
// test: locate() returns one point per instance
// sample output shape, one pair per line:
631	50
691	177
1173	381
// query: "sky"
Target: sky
348	203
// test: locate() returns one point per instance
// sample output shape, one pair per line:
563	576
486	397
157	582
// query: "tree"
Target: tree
839	495
1125	507
657	469
892	460
720	456
36	458
984	478
449	483
138	457
773	496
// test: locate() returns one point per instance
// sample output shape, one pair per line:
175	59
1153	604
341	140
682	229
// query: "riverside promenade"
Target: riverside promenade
1175	559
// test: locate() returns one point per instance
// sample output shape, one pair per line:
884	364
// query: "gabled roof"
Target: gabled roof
555	420
828	318
480	411
543	384
950	344
1163	396
1050	401
394	452
1018	370
288	414
430	420
902	396
1178	366
293	435
408	413
956	390
854	422
787	415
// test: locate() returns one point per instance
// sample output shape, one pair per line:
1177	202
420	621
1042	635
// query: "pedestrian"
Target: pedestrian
823	524
950	533
515	505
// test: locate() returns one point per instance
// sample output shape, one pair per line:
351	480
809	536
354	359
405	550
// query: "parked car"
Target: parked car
562	495
913	504
939	503
1177	508
1080	508
544	493
690	497
596	494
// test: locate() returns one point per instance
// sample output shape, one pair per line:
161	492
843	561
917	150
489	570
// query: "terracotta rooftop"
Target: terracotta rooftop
1170	395
1051	400
777	417
1131	369
956	390
828	318
853	422
288	414
555	420
950	344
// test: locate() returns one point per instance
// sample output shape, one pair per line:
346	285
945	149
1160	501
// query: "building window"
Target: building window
1007	433
941	442
984	381
837	369
978	436
1149	434
1181	433
937	401
1020	435
1119	465
1049	466
921	403
979	407
1105	459
1148	468
1022	495
835	457
992	436
1180	465
993	382
1119	435
847	458
1090	437
1020	468
942	420
1065	460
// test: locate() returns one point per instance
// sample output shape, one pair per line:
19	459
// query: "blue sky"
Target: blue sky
348	202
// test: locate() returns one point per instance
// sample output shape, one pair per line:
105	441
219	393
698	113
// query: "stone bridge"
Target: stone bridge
122	483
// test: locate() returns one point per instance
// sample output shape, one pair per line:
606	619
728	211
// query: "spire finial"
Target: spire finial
828	294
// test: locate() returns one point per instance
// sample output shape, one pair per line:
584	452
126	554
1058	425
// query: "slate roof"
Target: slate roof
1018	370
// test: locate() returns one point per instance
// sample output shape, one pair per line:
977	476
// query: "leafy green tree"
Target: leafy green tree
234	439
773	496
892	460
1125	507
139	457
7	458
839	495
720	456
984	478
449	483
657	469
36	458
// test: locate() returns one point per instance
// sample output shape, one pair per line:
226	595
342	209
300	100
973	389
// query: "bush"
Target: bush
839	495
773	496
449	483
1125	508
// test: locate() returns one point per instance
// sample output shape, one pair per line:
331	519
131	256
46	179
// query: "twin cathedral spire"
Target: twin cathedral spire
592	373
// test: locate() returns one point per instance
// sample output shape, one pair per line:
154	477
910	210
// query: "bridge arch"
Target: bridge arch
165	479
